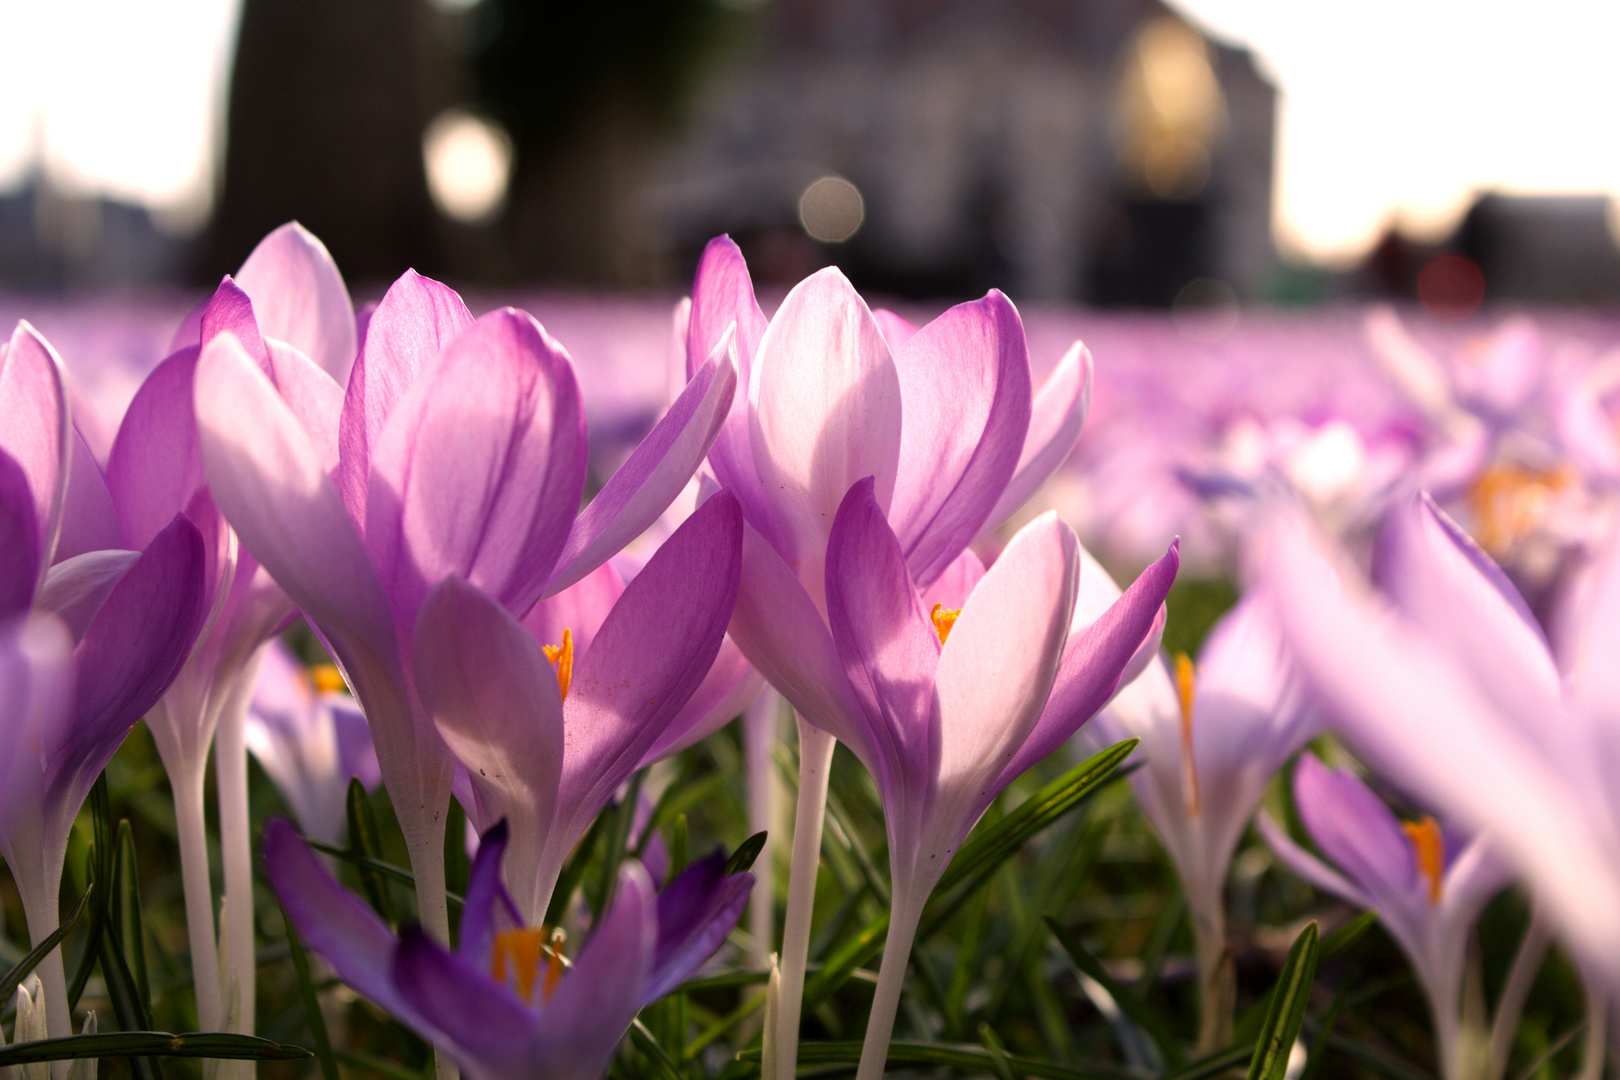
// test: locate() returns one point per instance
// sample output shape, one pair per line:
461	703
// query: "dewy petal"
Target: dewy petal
779	631
129	654
1443	583
825	413
648	657
695	914
36	430
331	920
1058	414
596	1001
1096	659
496	703
480	468
417	318
481	1022
89	520
299	297
889	649
1015	626
1355	829
655	472
19	539
965	385
156	467
266	476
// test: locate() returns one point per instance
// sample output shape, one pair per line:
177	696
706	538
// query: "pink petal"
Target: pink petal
155	467
581	609
897	330
312	395
826	413
299	297
89	521
728	688
37	431
964	381
1058	414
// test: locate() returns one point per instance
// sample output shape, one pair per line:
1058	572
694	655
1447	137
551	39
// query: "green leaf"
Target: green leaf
662	1065
677	848
574	872
1287	1009
13	978
312	1003
747	851
1131	1005
1213	1065
124	913
100	859
385	869
998	1052
1384	1065
207	1044
624	819
366	840
1347	935
986	849
969	1059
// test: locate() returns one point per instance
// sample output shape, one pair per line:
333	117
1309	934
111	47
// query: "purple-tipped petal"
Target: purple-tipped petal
596	1001
1097	658
484	1024
1354	828
479	470
89	520
1015	624
496	703
267	478
331	920
648	657
156	467
964	381
695	915
19	539
779	631
299	297
129	654
1056	417
825	413
888	646
1306	865
230	313
37	431
655	472
489	908
417	318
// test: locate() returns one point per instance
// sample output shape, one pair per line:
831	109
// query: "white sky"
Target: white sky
1392	109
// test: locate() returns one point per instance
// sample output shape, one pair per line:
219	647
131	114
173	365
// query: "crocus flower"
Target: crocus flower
1427	884
1455	696
1213	733
502	1004
548	742
945	708
459	450
127	621
310	742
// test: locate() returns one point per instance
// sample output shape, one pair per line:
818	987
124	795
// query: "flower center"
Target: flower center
1508	502
1186	688
944	618
562	658
1430	848
327	679
518	956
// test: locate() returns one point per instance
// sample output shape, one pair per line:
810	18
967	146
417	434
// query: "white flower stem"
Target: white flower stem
759	742
904	913
1516	991
1594	1047
815	760
1217	981
39	900
231	784
186	780
427	867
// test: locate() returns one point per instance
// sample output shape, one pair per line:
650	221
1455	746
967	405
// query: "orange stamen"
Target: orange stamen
944	618
327	679
1186	686
562	658
1508	501
515	959
1430	848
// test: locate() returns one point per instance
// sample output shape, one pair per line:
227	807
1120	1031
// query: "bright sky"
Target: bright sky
1391	108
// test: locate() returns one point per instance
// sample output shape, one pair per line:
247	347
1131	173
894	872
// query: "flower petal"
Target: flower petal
724	693
156	468
655	473
897	330
1306	865
825	413
1015	625
480	468
482	1023
965	385
19	539
1355	829
37	430
416	319
299	297
89	520
488	908
1058	414
650	654
76	588
495	701
312	395
695	915
580	609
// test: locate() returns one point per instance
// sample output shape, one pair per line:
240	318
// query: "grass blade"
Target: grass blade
125	921
101	864
1131	1005
966	1059
312	1004
1287	1009
747	851
24	967
207	1044
366	840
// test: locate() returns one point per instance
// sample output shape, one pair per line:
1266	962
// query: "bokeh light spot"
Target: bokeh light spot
831	210
469	163
1451	288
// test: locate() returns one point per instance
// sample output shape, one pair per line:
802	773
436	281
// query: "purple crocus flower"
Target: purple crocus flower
1454	695
460	450
551	716
1427	884
127	620
310	743
502	1004
1213	733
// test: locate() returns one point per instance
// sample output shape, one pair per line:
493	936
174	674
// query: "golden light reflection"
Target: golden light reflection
1169	110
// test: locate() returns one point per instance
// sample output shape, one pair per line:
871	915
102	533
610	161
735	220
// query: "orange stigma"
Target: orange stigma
1186	686
944	618
1430	848
327	679
562	658
518	956
1508	501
